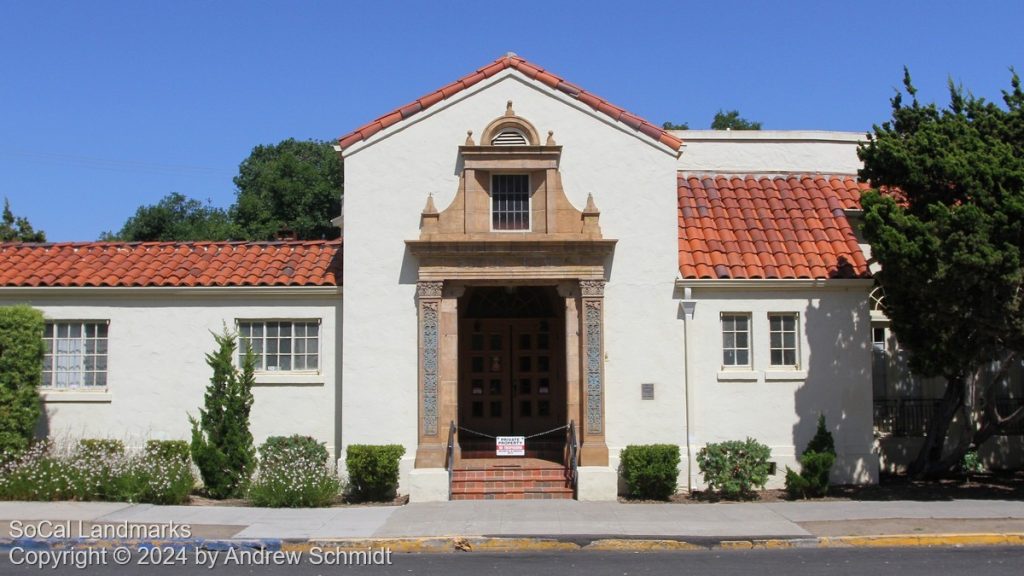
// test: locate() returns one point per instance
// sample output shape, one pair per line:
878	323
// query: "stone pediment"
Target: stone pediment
510	212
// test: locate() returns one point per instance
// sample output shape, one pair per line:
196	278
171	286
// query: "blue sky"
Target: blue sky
105	106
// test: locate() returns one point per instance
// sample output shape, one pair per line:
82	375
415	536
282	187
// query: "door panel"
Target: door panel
511	377
484	394
535	371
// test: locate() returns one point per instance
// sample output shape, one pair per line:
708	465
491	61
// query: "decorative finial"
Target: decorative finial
591	206
469	138
508	109
551	138
430	208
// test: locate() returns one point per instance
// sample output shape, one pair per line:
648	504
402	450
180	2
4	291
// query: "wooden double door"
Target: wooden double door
511	376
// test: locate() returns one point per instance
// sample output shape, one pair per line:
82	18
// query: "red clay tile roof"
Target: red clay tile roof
531	71
287	263
768	227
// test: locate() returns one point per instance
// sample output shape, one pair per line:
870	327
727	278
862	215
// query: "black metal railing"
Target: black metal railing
907	417
572	456
449	462
904	416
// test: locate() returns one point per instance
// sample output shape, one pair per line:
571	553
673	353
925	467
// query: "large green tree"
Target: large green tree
293	186
946	222
17	228
731	120
176	218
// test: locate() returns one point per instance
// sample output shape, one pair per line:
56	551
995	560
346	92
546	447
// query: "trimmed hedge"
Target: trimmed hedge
373	471
735	468
101	447
651	471
21	370
171	450
305	447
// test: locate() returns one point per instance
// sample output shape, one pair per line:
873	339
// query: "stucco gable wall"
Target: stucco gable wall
157	372
633	181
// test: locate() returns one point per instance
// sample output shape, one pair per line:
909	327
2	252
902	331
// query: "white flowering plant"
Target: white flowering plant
95	471
294	472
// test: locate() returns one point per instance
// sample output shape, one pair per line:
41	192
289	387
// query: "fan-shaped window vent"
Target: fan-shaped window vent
509	138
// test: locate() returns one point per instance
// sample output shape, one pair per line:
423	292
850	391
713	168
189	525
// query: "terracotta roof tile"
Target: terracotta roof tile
529	70
172	264
769	227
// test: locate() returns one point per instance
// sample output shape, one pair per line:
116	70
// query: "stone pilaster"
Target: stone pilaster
594	450
431	450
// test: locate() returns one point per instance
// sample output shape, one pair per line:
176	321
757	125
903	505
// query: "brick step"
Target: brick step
507	487
515	496
510	474
489	453
499	485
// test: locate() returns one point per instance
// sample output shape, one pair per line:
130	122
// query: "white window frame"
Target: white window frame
261	368
80	370
749	348
529	202
783	348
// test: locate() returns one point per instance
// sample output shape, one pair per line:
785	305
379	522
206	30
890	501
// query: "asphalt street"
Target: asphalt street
834	562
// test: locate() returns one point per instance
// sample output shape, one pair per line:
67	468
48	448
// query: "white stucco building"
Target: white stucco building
519	255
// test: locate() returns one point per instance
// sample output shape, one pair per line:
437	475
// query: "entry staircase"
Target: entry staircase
546	472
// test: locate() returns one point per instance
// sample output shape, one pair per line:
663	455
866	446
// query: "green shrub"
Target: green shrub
822	441
373	471
815	465
812	481
222	445
101	446
735	468
305	447
971	463
173	450
294	472
651	471
21	370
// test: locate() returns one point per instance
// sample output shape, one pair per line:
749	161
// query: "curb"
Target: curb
435	545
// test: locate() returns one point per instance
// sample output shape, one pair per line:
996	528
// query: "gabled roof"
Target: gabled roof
529	70
768	227
186	264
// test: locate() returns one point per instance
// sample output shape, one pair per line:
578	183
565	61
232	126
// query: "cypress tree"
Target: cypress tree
222	445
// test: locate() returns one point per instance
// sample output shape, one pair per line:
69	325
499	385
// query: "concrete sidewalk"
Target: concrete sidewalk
559	519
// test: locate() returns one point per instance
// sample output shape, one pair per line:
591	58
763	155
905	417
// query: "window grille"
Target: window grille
510	202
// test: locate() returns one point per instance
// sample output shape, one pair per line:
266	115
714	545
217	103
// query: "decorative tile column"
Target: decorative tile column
594	451
431	450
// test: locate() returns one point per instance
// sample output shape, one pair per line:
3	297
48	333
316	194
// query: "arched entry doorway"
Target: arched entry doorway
511	368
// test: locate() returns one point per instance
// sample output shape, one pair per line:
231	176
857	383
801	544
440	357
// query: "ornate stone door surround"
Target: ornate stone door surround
562	246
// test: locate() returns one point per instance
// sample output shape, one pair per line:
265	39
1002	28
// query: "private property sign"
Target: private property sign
511	445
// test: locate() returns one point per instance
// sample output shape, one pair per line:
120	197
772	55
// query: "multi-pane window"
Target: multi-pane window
281	345
782	330
510	202
75	355
735	339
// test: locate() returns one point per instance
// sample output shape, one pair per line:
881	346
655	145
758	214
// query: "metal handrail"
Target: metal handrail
450	456
572	453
